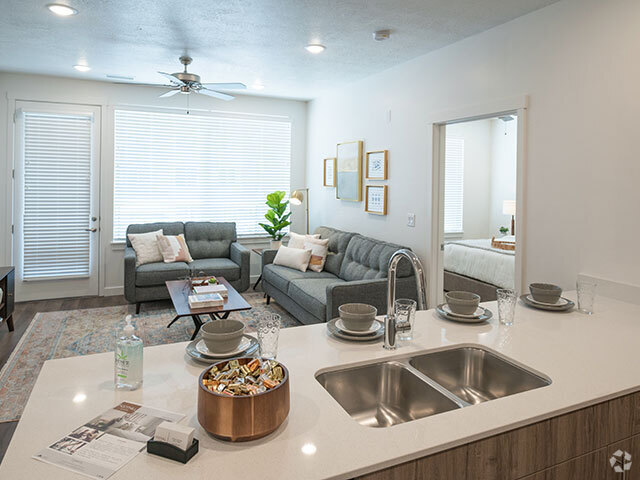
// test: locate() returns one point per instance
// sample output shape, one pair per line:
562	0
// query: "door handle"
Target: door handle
90	229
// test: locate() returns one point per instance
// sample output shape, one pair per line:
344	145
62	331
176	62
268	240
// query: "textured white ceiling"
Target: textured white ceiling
240	40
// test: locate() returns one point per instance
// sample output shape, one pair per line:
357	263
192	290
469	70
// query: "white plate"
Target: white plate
560	303
202	348
375	326
475	314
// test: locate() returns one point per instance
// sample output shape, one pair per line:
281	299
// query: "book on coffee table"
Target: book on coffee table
214	288
206	300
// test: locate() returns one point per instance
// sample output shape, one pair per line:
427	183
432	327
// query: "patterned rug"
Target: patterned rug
84	332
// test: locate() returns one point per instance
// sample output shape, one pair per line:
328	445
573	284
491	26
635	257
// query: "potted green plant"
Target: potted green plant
277	217
504	230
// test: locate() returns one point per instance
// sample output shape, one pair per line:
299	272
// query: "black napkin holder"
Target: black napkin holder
172	452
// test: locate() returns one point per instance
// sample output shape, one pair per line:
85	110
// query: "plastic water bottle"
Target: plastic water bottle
128	359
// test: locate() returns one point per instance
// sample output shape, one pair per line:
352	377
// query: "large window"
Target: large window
198	167
453	185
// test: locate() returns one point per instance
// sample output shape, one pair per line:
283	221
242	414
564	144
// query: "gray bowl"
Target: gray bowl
222	336
357	316
462	303
545	292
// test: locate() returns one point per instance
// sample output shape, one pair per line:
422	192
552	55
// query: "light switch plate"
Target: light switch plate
411	219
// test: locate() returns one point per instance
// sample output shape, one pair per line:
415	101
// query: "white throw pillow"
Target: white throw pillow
174	248
146	247
293	258
319	250
297	241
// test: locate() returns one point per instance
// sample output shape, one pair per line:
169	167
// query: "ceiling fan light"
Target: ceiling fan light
62	10
315	48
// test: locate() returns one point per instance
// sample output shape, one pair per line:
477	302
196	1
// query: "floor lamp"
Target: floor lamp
297	197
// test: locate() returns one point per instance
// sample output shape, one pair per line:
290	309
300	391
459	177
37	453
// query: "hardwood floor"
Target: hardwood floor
22	317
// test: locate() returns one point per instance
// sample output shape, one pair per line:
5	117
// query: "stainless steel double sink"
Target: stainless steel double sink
389	392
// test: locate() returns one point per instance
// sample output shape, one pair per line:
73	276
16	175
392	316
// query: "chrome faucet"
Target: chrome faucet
391	327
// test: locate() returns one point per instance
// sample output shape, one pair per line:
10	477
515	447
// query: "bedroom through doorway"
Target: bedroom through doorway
478	175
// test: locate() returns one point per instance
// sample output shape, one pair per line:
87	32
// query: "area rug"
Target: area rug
84	332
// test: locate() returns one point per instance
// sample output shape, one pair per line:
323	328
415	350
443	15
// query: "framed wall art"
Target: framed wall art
376	199
376	168
329	176
349	171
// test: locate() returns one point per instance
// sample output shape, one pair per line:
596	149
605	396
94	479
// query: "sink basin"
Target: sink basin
384	394
476	375
405	388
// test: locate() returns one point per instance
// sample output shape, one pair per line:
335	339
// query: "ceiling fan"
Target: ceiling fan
185	82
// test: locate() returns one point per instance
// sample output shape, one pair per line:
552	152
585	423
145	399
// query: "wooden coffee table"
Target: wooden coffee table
179	291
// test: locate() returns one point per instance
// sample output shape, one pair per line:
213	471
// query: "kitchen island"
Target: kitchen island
592	362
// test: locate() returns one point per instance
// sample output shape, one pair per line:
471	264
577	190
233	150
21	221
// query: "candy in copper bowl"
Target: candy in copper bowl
239	417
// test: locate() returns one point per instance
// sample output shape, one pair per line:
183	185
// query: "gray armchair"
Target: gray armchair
213	246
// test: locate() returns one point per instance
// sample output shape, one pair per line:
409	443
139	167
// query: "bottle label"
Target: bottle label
122	364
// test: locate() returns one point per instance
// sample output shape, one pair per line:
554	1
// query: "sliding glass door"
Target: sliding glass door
56	225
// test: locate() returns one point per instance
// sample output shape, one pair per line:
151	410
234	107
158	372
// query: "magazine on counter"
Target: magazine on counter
100	447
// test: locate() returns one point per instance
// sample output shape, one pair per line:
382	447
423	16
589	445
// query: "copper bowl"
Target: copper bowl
243	418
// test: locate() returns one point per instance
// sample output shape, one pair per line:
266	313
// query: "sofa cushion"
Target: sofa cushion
367	258
338	242
209	239
311	294
280	276
172	228
151	274
222	267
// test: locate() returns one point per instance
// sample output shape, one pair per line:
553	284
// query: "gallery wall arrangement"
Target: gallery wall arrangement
344	172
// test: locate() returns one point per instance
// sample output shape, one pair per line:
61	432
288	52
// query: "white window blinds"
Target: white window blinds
197	167
453	185
56	195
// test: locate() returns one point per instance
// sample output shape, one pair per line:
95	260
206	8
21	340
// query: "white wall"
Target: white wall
504	144
477	175
106	95
577	61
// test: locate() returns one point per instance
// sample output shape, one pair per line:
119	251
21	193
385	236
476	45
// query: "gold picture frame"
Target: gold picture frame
373	203
329	164
349	171
373	169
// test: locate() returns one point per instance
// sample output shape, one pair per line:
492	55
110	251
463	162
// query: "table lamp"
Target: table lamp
509	208
297	197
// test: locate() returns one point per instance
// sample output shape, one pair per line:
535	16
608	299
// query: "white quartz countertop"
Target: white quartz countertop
588	358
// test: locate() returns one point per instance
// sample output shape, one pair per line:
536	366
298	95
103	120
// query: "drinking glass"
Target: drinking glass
404	311
268	332
586	295
506	305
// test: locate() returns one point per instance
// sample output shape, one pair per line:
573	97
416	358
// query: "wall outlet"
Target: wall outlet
411	219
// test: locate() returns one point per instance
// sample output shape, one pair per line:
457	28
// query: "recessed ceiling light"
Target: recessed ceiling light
315	48
257	86
62	10
82	68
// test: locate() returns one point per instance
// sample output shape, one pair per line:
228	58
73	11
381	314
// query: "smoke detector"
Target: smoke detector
381	35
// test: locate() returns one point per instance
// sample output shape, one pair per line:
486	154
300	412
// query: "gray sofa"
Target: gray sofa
355	271
213	247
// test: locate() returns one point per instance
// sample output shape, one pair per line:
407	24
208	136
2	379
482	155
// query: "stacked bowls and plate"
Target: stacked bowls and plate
546	296
221	339
357	322
463	307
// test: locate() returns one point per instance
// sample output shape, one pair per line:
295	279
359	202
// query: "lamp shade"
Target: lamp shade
296	197
509	207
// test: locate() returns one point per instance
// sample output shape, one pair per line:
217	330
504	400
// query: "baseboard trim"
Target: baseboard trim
625	292
112	291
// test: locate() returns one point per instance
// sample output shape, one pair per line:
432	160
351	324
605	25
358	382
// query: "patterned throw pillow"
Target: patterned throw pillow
174	248
319	250
146	247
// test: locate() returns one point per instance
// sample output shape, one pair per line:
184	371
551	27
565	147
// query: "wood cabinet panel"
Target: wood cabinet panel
404	471
636	413
450	464
592	466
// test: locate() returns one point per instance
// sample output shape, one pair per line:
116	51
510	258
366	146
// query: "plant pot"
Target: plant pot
276	244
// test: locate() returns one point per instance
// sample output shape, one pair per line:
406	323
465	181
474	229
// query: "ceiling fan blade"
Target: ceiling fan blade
226	86
213	93
172	79
170	93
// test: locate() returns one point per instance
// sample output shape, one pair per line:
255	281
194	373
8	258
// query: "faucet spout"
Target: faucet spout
390	325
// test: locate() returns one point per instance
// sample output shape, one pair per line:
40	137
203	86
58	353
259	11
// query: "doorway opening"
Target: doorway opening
478	179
